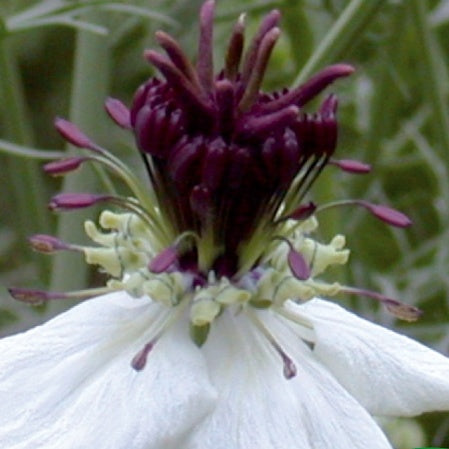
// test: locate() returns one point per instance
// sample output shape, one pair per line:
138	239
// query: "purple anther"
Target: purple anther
69	201
329	106
140	359
162	261
177	56
159	130
187	92
118	112
143	129
307	91
387	214
33	296
70	132
139	100
326	133
214	164
265	124
289	156
254	82
402	311
269	22
64	166
174	130
235	49
205	67
298	265
303	212
183	162
290	369
270	156
351	166
224	91
47	243
201	201
397	308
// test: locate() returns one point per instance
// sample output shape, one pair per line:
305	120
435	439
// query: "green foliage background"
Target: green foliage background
63	57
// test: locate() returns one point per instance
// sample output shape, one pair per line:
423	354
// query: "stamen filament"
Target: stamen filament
289	366
130	204
383	213
162	325
399	309
123	172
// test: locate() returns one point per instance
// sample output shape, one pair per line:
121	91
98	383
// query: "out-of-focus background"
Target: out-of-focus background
64	57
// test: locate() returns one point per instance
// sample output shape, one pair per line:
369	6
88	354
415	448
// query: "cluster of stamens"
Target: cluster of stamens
226	225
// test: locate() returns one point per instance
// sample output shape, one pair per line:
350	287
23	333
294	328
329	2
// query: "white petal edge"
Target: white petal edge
388	373
259	408
68	384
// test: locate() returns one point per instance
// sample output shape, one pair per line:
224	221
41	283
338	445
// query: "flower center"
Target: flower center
225	159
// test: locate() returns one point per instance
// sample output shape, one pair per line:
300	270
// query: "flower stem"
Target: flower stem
342	35
89	89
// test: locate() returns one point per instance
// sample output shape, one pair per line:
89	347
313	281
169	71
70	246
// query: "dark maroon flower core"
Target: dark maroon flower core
222	154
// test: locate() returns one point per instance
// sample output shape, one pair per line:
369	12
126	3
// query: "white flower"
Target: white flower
69	385
207	335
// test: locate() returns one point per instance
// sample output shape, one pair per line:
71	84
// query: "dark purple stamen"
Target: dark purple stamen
387	214
33	296
303	212
64	166
397	308
306	92
298	265
162	261
351	166
74	135
296	262
118	112
255	77
290	369
186	92
69	201
177	57
205	67
235	50
48	244
268	23
140	359
267	124
384	213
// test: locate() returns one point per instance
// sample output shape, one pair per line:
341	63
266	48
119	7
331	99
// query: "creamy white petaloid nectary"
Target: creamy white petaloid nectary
127	252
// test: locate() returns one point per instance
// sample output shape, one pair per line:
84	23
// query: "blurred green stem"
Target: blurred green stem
341	36
89	89
25	176
435	77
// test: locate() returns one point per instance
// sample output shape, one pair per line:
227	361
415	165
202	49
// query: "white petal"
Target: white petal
259	408
68	384
388	373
